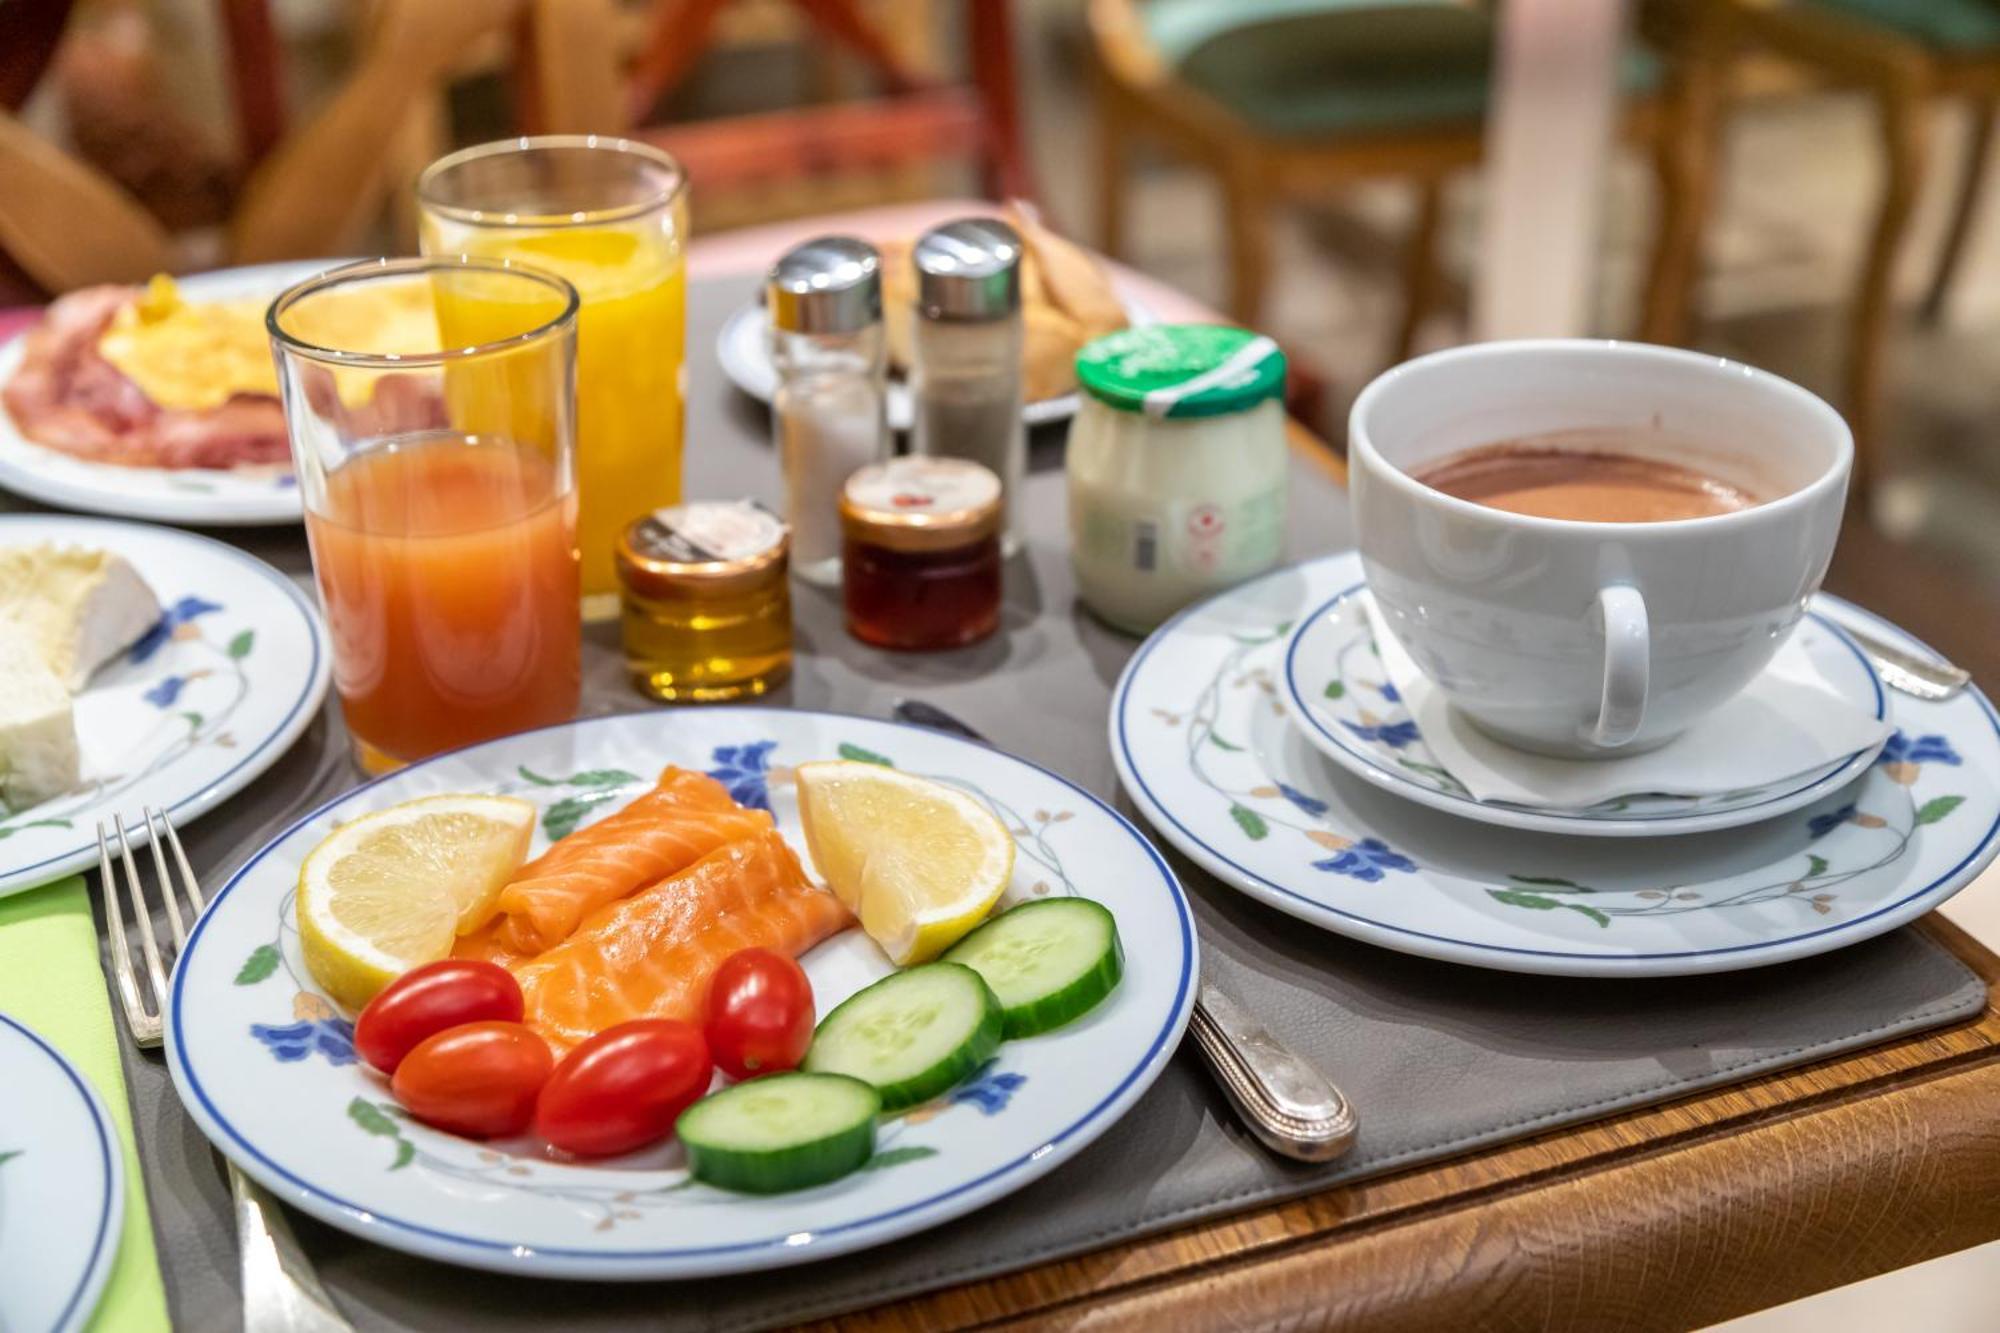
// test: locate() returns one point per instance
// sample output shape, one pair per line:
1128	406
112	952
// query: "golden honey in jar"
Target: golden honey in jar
706	605
920	553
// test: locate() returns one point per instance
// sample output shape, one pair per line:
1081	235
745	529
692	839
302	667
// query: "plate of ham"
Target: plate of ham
156	401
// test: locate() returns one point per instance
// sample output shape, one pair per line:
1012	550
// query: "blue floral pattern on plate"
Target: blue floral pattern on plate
746	771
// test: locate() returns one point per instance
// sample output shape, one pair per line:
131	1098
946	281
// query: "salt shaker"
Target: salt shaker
967	352
825	300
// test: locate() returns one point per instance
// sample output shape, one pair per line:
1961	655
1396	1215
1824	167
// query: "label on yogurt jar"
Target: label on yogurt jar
1191	545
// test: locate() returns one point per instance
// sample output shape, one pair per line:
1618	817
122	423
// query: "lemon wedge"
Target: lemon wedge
919	862
390	890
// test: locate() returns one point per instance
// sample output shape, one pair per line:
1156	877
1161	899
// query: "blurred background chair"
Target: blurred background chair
1904	55
918	103
1285	101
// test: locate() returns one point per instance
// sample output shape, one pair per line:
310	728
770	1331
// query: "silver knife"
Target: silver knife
1290	1106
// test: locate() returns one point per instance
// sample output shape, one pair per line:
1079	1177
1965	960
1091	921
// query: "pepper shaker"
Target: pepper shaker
967	352
829	414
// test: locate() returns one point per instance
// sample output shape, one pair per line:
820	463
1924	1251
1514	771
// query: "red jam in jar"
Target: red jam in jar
920	553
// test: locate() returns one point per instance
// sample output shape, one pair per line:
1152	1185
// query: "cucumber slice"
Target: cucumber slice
912	1035
782	1132
1049	961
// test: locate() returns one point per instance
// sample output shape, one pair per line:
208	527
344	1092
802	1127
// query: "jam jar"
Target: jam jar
920	553
706	606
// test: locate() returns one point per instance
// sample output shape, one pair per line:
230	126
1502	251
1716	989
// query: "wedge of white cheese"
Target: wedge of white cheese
38	755
79	608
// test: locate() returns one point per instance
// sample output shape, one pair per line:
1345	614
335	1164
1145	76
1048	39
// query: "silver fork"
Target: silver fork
280	1291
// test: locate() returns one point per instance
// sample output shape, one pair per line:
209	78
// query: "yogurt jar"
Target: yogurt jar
1176	467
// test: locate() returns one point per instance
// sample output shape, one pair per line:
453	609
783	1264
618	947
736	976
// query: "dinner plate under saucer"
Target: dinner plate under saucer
1205	749
1340	696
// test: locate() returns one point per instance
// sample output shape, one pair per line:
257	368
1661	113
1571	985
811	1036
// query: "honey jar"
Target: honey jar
706	605
920	553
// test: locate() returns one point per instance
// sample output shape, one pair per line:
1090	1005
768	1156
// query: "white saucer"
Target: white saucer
1340	696
1205	749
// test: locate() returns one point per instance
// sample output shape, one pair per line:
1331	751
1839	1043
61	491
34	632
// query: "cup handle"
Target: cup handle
1627	665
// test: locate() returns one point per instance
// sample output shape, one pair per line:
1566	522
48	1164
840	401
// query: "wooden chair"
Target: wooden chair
1286	100
914	118
309	191
1906	54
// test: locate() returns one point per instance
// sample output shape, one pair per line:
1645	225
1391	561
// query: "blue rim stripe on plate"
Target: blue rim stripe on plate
1155	1054
264	571
1159	636
1306	711
69	1310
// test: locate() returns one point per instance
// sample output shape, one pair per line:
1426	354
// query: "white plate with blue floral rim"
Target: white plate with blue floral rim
211	497
62	1188
1204	747
1345	705
266	1067
210	697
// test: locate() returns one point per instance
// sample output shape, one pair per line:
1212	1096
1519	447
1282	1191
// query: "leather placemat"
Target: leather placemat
1438	1059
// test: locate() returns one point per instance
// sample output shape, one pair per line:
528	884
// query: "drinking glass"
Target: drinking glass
610	215
438	480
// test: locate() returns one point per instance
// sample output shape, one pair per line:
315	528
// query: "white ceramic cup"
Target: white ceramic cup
1594	638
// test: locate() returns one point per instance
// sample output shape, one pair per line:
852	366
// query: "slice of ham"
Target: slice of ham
66	396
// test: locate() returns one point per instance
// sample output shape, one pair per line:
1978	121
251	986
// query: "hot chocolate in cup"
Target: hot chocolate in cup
1587	545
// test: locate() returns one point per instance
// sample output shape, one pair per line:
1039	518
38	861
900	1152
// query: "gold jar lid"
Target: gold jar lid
706	548
921	504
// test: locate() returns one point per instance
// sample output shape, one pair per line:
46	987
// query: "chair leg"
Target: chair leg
1971	184
1420	268
1684	151
1114	176
1248	204
1905	138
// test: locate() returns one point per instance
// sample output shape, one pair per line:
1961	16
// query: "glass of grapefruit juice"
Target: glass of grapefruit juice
609	215
437	475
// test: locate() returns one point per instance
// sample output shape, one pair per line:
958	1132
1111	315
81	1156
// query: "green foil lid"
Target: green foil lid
1182	370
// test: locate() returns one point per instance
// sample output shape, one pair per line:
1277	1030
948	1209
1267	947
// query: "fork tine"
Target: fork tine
143	922
174	922
189	883
136	1017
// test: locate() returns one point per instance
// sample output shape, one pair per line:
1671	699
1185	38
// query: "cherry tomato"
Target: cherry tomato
478	1079
624	1088
760	1014
426	1000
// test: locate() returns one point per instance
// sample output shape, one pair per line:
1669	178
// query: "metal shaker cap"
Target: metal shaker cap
969	270
832	284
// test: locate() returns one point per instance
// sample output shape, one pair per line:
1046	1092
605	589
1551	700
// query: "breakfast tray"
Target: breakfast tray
1438	1059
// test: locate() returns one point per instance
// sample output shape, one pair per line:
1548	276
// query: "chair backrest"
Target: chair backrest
844	153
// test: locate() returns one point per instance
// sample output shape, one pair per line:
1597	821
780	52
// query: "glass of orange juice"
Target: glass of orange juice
610	215
438	480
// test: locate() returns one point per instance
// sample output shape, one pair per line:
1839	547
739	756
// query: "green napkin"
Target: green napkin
51	979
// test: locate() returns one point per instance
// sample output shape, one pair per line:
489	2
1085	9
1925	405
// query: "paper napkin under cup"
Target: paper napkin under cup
52	980
1786	722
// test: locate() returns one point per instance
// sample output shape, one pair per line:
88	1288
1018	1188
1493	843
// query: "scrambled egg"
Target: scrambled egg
195	355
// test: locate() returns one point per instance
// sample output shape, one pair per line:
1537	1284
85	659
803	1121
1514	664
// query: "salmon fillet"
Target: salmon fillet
684	818
652	954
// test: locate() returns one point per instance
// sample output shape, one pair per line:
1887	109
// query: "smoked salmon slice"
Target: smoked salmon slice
682	819
651	955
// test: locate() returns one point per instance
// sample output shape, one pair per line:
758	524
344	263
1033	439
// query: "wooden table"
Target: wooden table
1672	1217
